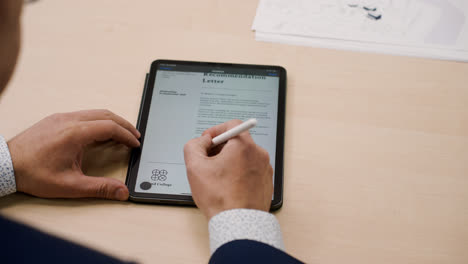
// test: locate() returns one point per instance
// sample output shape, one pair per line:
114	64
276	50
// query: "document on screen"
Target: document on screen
186	102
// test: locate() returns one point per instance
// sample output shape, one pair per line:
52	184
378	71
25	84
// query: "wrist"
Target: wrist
17	162
210	213
7	174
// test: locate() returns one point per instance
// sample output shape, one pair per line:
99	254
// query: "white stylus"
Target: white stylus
234	132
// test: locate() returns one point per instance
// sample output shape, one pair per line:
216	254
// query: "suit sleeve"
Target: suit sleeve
22	244
249	251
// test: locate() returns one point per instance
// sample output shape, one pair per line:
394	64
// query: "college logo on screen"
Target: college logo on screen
159	175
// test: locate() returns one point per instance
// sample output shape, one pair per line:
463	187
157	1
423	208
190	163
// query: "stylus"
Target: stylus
234	132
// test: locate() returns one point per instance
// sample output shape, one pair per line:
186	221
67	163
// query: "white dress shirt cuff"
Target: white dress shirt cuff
248	224
7	174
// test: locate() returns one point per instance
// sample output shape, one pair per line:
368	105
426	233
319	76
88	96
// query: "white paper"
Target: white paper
424	28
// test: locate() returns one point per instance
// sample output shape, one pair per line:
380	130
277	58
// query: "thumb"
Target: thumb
101	187
197	147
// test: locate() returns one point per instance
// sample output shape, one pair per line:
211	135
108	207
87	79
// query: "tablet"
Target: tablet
182	99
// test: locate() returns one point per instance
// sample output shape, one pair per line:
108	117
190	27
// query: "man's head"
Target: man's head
10	11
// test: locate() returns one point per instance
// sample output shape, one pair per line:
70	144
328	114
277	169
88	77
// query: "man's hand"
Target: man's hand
47	157
236	175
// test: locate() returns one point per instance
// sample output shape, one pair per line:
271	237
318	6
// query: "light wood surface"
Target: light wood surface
376	155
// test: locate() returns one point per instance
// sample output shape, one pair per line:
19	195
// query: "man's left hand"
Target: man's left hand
47	157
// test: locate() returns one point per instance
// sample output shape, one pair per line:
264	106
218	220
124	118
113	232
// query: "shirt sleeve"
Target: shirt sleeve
248	224
7	174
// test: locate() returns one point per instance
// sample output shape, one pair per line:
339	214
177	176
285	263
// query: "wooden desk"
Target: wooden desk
376	167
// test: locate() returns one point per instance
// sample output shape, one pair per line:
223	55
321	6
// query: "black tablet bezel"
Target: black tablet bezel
134	161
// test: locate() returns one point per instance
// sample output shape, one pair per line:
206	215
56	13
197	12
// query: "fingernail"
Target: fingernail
138	134
121	194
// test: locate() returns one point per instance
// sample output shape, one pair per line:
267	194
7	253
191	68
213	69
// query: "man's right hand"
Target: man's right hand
239	175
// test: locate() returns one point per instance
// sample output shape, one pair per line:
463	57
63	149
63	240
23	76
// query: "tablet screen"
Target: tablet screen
187	100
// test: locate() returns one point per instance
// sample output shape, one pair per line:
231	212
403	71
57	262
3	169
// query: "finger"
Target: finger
221	128
264	153
216	149
270	174
100	187
102	130
197	147
103	114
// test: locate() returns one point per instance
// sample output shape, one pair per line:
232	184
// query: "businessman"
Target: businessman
233	188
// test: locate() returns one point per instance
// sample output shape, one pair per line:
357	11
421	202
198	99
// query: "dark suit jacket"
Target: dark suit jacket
22	244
